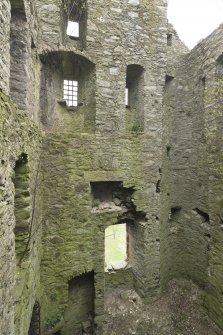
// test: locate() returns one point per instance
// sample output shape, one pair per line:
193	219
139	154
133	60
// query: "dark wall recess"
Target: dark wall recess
22	202
57	67
135	104
79	314
34	328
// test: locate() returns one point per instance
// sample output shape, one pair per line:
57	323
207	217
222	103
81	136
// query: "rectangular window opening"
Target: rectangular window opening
116	253
73	29
70	92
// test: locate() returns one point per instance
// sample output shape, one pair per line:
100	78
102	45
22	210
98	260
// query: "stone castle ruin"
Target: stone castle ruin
113	121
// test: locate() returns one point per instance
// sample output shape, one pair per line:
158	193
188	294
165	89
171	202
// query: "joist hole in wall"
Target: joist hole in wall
168	148
169	40
174	212
219	67
168	79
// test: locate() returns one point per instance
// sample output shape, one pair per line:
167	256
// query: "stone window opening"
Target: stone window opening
76	19
70	92
127	97
116	247
67	79
135	98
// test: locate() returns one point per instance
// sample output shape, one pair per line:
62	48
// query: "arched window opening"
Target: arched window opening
68	79
135	98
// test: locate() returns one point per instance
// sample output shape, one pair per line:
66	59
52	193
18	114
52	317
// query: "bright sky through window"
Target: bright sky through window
70	92
126	96
115	243
73	29
195	19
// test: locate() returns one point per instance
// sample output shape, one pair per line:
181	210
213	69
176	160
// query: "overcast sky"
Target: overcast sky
195	19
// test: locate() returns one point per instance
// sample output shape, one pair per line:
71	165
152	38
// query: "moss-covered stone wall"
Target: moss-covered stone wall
74	232
162	154
213	132
106	148
19	277
4	42
192	170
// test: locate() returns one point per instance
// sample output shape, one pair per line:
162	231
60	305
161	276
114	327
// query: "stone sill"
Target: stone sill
116	266
69	108
106	208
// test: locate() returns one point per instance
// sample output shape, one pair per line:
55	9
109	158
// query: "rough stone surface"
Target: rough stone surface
192	178
178	311
158	157
18	282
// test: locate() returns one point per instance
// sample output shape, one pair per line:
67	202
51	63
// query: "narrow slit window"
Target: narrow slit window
70	92
126	96
73	29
